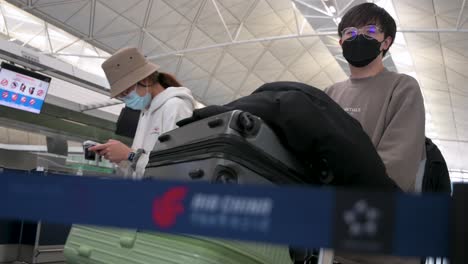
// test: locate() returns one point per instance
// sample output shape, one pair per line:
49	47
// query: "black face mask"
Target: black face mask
361	51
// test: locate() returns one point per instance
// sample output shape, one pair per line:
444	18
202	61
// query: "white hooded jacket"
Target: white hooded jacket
168	107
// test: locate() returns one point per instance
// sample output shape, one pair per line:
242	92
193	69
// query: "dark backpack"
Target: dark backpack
436	175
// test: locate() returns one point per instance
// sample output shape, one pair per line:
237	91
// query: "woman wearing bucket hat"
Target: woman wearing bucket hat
160	97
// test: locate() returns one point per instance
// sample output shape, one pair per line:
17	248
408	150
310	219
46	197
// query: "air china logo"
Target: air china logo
212	211
169	206
239	213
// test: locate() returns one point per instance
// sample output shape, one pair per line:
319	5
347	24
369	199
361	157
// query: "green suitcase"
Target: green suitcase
98	245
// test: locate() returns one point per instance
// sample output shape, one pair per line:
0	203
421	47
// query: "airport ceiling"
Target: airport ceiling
224	49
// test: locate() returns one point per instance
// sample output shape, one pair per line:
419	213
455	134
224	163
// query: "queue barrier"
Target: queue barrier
359	221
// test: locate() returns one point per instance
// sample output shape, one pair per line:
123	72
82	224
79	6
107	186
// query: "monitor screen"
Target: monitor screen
22	89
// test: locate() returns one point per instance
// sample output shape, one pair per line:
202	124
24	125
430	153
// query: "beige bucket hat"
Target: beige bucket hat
125	68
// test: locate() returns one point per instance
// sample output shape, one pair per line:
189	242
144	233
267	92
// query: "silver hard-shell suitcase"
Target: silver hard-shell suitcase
233	147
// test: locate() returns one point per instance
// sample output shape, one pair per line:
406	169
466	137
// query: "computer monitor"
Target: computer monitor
22	89
57	145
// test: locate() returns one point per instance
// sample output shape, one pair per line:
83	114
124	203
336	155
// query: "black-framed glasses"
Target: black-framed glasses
369	32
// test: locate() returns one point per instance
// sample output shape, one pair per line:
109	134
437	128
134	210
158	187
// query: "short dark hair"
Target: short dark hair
369	13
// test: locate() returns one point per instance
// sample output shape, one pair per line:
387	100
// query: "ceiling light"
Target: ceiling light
337	20
332	9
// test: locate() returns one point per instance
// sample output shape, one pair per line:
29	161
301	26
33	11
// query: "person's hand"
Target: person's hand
114	150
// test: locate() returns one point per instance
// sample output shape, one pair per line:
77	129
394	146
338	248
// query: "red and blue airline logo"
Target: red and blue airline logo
169	206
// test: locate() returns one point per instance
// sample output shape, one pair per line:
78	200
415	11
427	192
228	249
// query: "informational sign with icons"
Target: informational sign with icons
22	89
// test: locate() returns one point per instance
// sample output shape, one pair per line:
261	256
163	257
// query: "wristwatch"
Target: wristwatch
131	156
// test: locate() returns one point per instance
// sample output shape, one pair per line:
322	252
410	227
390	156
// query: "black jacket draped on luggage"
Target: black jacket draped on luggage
327	140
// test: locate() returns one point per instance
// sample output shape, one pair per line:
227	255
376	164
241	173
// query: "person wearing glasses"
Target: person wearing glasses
388	105
160	97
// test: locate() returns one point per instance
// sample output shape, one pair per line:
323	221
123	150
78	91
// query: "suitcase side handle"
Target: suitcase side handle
245	123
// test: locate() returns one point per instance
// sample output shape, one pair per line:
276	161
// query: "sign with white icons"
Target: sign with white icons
22	89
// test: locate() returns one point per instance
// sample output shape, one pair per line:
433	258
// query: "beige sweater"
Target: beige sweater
390	108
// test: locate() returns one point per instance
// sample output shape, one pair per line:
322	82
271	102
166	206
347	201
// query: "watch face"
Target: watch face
131	156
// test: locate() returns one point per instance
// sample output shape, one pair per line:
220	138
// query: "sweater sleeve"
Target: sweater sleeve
402	144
